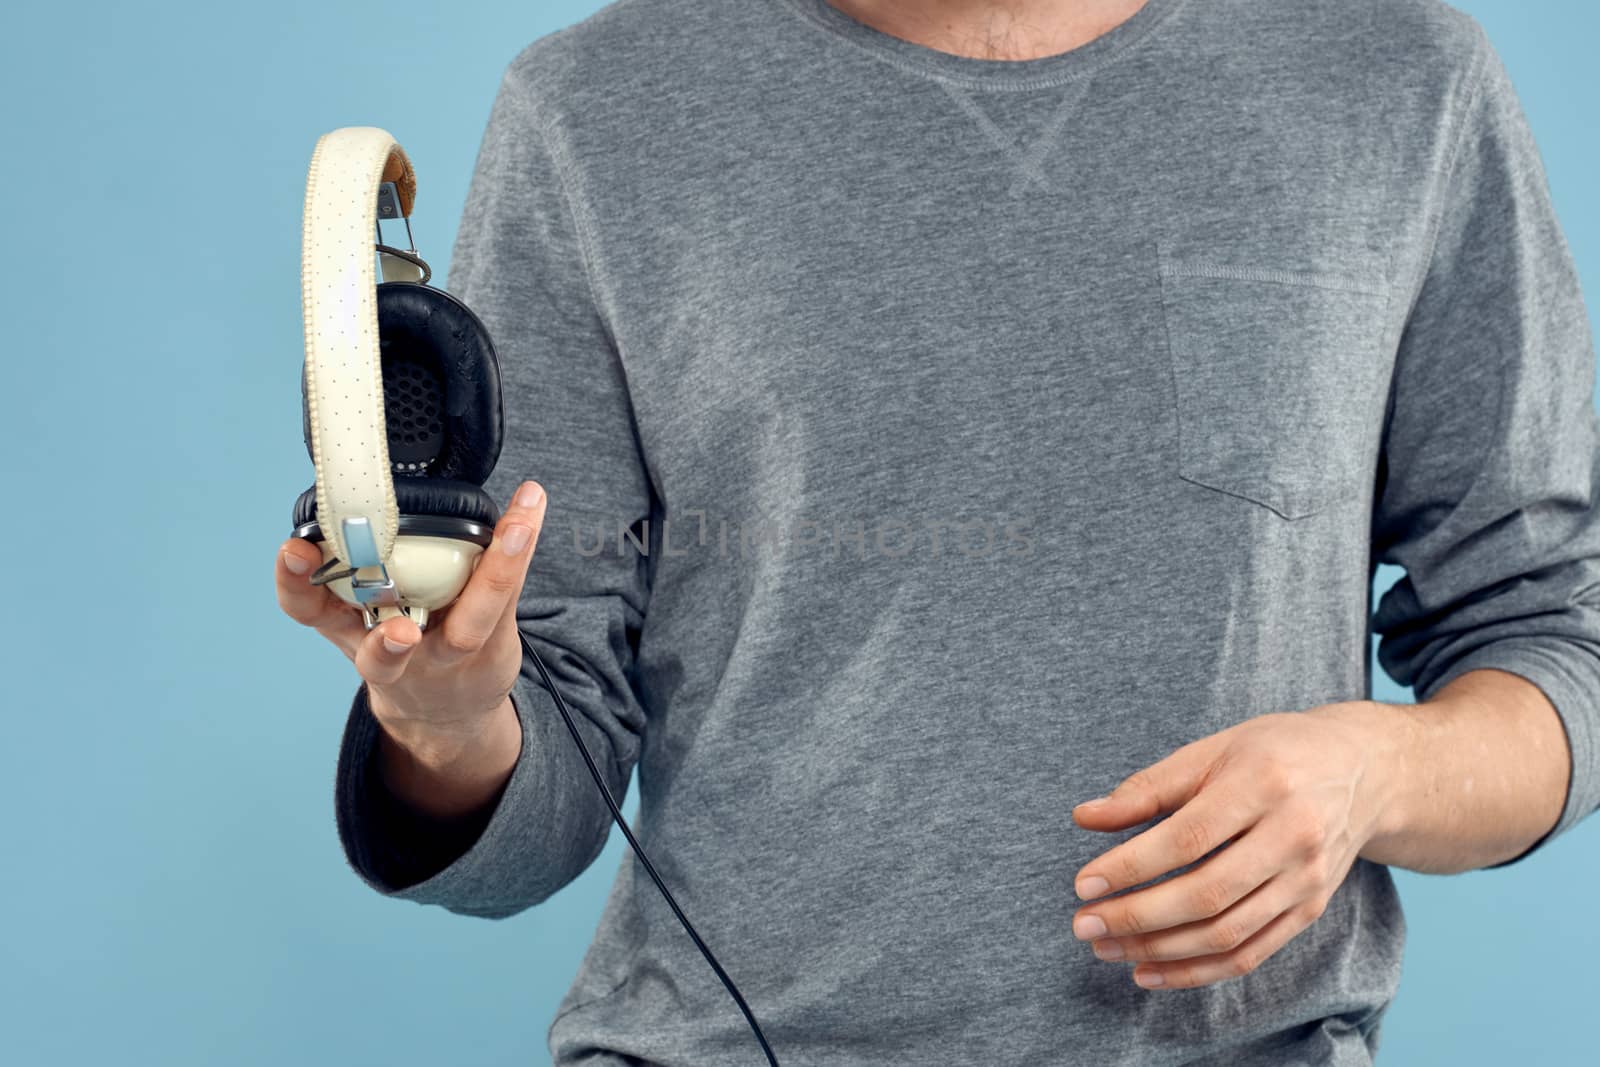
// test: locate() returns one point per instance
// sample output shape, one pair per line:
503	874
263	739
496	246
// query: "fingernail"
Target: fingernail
1089	927
515	540
295	564
528	495
393	646
1150	980
1092	887
1095	801
1108	950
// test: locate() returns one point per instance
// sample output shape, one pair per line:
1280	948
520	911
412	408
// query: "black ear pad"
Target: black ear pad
441	386
441	497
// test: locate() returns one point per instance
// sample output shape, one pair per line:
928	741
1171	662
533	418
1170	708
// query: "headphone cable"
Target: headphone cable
616	814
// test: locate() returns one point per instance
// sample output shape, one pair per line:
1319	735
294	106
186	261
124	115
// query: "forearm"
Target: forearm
449	774
1479	773
479	828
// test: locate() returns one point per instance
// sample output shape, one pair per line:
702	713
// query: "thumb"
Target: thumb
1159	789
384	651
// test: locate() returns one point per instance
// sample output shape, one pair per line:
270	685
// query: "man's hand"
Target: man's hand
1293	795
450	737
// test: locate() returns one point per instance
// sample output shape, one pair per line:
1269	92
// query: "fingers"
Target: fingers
1220	933
1251	954
1155	790
1214	816
385	650
315	605
496	583
1194	896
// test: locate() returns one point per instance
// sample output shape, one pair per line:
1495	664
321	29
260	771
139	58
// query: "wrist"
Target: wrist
432	742
1393	735
452	768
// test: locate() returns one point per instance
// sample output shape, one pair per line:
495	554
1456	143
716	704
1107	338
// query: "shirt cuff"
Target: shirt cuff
402	852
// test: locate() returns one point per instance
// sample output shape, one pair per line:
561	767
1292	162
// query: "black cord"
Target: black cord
616	813
410	257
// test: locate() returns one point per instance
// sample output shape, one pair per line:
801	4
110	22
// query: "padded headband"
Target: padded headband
397	169
343	375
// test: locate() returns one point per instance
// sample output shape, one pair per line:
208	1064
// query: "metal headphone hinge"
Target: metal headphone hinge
389	208
398	263
363	550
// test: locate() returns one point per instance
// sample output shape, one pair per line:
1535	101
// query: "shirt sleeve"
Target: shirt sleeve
1489	477
520	261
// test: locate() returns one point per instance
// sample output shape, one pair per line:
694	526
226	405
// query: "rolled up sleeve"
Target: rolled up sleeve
1490	470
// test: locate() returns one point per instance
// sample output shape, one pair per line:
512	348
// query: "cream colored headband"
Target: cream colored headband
344	383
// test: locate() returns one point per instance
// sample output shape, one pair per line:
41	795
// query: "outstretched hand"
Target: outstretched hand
1294	796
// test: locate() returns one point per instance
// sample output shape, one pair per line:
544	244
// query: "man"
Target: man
951	410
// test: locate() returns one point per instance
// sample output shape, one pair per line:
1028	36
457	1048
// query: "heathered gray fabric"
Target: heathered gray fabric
1190	326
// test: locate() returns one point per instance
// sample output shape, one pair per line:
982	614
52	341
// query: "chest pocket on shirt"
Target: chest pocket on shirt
1276	370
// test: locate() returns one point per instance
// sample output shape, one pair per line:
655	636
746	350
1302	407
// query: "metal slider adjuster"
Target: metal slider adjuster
363	550
389	208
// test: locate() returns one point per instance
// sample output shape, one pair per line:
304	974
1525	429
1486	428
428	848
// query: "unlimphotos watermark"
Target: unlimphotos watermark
695	531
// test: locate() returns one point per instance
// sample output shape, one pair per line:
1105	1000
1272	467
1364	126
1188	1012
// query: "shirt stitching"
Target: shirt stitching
1090	66
1052	131
1314	279
1027	162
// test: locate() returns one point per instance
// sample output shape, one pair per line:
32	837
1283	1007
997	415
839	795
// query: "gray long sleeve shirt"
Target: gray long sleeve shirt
932	441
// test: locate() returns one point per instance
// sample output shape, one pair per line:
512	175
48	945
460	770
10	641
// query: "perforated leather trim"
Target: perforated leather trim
344	385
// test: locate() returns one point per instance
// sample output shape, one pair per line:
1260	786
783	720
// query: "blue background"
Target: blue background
173	890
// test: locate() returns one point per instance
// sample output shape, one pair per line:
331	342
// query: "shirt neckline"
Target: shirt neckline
973	73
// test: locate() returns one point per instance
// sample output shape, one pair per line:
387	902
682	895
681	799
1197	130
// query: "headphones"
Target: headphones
398	499
402	419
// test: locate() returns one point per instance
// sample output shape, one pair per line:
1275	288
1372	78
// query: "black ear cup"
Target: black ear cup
442	407
444	498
